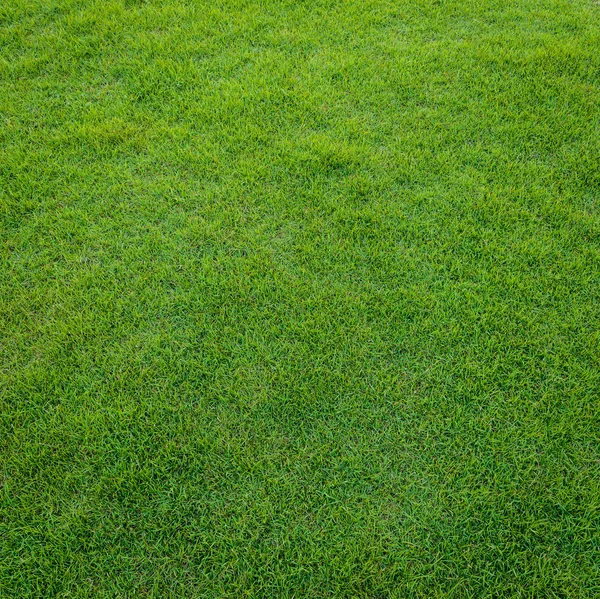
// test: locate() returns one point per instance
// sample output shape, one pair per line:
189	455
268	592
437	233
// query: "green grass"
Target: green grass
299	298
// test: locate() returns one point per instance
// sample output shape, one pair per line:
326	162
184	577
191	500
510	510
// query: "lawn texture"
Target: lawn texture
299	298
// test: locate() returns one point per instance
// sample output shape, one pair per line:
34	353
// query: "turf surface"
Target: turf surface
299	298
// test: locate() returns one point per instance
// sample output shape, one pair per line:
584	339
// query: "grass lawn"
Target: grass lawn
299	298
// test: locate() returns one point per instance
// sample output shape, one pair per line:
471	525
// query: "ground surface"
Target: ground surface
299	298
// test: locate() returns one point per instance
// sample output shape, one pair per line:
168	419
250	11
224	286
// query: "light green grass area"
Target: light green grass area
299	298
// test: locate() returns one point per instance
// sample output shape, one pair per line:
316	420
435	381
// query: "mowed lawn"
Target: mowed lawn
299	298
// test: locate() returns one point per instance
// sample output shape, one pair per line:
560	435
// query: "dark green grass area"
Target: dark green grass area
299	298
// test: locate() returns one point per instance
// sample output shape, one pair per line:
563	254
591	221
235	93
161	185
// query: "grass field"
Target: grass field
299	298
